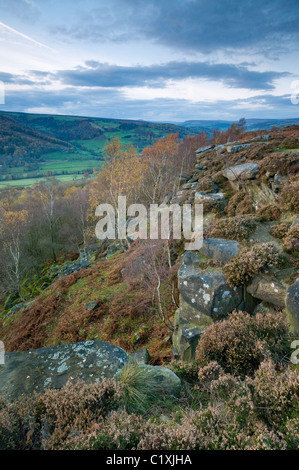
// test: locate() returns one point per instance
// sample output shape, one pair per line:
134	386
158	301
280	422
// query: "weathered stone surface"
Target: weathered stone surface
263	287
261	194
292	305
187	186
296	221
237	148
204	149
207	291
30	371
114	249
193	258
142	356
220	249
69	268
91	305
241	172
201	196
189	325
167	380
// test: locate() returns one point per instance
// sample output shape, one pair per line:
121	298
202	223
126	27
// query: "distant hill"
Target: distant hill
76	130
252	124
33	146
20	144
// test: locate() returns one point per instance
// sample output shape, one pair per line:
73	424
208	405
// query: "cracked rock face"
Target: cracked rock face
241	172
220	249
34	371
207	291
205	297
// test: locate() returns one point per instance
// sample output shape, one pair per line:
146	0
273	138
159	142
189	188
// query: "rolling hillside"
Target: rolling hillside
34	146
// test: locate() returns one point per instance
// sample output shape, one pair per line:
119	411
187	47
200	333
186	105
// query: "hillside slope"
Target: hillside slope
252	209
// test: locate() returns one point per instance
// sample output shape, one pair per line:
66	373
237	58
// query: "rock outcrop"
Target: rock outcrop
34	371
241	172
220	249
205	296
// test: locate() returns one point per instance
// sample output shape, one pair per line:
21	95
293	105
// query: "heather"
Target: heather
222	318
241	393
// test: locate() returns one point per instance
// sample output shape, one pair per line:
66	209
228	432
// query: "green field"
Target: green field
35	146
31	181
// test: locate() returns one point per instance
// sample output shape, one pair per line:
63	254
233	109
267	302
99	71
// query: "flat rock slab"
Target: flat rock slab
220	249
265	288
241	172
237	148
201	196
34	371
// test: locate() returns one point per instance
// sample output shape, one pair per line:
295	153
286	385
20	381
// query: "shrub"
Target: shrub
206	185
184	370
279	231
240	204
291	241
276	393
235	228
289	199
46	420
241	342
250	262
269	213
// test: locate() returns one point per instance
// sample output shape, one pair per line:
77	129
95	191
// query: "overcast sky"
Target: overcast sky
158	60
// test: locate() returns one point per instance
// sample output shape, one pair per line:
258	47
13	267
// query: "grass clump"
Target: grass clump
139	387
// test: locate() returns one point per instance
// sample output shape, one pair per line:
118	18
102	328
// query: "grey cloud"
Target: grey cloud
96	74
113	104
15	79
194	25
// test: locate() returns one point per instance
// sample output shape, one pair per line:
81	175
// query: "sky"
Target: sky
156	60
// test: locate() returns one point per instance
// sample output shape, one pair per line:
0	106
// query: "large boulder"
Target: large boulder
168	382
241	172
34	371
220	249
265	288
207	291
189	325
204	149
205	297
201	197
237	148
292	305
261	194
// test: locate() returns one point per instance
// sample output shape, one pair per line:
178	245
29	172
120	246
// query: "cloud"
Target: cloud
96	74
190	25
112	103
10	78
